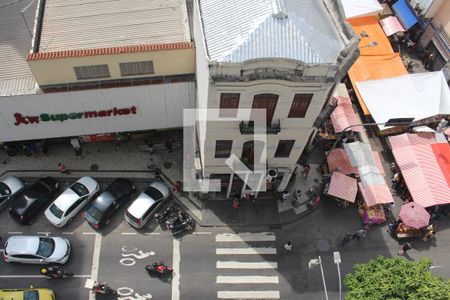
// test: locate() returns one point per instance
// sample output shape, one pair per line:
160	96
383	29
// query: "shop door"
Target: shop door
268	102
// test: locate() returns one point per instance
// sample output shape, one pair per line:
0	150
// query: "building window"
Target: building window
92	72
136	68
300	105
229	101
284	148
223	148
267	102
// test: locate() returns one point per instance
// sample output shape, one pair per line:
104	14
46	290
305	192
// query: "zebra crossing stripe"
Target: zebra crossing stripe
246	237
231	251
248	294
247	279
246	265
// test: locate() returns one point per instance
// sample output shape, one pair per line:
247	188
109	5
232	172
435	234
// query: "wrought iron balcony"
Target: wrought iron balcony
248	127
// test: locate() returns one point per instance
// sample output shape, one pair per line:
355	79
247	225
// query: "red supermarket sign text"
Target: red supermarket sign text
45	117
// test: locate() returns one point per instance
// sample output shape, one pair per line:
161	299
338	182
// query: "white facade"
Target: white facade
41	116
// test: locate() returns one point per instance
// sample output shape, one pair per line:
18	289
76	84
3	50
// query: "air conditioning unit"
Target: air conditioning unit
271	175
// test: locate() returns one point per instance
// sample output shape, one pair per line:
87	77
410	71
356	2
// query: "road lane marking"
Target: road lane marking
128	233
246	265
15	232
92	233
247	279
176	266
232	251
95	262
152	233
38	276
246	237
67	233
248	294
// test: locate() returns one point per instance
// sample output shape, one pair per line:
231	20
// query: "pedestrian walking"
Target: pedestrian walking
235	204
347	238
288	247
406	247
297	195
62	168
306	169
285	196
359	234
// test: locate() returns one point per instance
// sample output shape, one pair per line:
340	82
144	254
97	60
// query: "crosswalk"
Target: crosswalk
247	266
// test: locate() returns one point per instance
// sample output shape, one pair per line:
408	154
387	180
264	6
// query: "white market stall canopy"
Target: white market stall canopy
361	8
417	96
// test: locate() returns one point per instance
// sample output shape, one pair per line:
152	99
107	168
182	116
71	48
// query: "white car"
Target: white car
36	249
71	201
146	205
10	188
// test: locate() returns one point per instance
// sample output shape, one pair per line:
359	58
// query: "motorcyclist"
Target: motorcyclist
51	271
159	267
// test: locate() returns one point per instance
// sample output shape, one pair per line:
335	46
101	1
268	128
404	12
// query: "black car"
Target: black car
104	206
34	199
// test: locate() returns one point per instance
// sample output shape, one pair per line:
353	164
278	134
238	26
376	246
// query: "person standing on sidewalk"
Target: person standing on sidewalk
285	196
306	169
62	168
296	198
406	247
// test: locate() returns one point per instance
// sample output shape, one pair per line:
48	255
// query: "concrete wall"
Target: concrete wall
165	63
442	17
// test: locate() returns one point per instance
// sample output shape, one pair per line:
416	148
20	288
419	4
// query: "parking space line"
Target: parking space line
15	232
201	232
43	232
152	233
67	233
89	233
176	266
128	233
38	276
95	262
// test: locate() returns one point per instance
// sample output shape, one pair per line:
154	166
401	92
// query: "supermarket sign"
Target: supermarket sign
46	117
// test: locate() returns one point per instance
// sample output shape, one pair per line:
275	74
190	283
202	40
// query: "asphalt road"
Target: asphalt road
214	263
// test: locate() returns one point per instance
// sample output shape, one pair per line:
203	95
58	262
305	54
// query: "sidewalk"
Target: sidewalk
103	161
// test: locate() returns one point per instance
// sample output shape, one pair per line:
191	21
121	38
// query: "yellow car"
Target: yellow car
27	294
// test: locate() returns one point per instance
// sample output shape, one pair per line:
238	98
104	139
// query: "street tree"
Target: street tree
395	279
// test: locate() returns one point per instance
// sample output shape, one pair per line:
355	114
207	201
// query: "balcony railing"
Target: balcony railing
248	127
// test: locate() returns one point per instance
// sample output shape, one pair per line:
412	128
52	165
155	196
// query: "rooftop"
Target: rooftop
239	30
15	43
93	24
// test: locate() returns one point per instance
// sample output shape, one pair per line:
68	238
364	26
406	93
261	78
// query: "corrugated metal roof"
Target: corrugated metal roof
239	30
84	24
15	42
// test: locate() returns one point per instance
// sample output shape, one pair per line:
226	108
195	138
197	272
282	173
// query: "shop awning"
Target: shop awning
338	160
425	166
391	25
376	194
343	115
405	13
358	8
343	187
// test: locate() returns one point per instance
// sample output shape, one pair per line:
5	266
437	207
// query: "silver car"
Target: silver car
10	188
36	249
71	201
146	205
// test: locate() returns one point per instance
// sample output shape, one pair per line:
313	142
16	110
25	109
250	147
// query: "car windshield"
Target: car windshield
115	190
46	247
94	212
31	295
4	189
37	190
56	211
79	189
153	193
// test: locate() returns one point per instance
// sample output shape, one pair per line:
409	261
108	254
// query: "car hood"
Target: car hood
140	205
90	183
14	183
61	247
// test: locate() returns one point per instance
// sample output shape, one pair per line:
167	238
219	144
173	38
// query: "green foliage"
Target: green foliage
395	279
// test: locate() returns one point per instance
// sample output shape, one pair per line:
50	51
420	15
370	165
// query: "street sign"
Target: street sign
337	257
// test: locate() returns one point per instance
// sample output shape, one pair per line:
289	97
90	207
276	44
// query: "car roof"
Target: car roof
13	182
88	182
103	201
22	244
140	205
66	199
44	294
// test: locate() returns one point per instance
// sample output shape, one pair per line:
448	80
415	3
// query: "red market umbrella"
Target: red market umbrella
414	215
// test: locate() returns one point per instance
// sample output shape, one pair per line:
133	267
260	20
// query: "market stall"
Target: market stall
342	187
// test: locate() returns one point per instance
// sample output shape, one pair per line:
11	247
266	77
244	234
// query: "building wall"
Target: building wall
442	17
165	63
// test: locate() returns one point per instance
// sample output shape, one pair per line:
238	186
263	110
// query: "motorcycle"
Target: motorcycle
164	216
55	272
179	218
186	224
103	288
159	269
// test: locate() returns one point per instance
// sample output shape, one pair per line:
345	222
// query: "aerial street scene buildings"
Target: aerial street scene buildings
212	149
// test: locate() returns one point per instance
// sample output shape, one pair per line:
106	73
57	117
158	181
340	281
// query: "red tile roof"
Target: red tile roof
109	51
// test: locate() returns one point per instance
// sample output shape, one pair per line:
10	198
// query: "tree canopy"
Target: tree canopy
395	279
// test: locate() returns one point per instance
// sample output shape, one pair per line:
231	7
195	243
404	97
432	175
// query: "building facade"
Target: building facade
281	56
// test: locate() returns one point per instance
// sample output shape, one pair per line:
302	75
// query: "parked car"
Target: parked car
27	294
34	199
36	249
71	201
10	189
147	204
101	210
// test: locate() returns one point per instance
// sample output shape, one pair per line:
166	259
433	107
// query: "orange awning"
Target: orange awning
375	62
